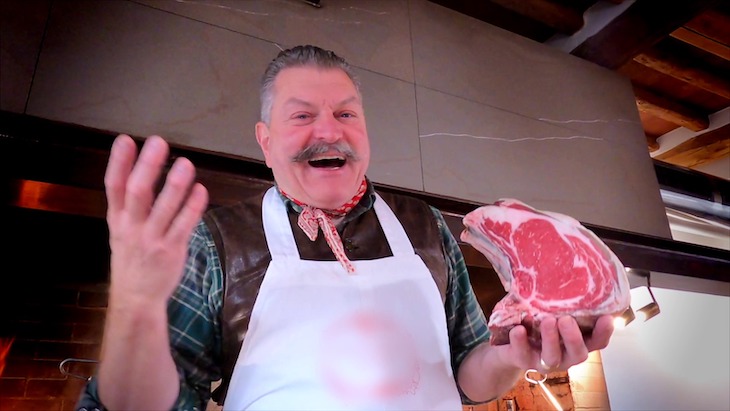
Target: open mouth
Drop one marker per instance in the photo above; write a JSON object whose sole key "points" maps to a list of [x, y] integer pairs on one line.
{"points": [[327, 162]]}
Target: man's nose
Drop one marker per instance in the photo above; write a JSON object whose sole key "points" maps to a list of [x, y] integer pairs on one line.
{"points": [[327, 128]]}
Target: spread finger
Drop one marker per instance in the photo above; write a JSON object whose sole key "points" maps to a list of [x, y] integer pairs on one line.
{"points": [[601, 334], [174, 193], [550, 356], [142, 180], [189, 215], [575, 348], [121, 159]]}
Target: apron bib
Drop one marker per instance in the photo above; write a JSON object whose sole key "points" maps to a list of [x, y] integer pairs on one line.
{"points": [[322, 339]]}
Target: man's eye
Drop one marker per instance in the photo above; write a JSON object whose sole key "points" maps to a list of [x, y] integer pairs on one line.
{"points": [[301, 116], [347, 115]]}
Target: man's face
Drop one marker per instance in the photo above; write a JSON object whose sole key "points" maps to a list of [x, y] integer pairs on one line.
{"points": [[316, 117]]}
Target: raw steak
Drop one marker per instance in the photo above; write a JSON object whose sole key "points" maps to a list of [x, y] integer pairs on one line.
{"points": [[549, 264]]}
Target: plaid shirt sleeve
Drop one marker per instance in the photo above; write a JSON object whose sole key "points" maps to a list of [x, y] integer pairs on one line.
{"points": [[465, 319], [194, 326]]}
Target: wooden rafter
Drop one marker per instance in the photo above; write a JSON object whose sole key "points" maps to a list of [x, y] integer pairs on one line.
{"points": [[644, 23], [670, 110], [684, 71], [713, 24], [700, 150], [651, 143], [702, 42], [561, 18]]}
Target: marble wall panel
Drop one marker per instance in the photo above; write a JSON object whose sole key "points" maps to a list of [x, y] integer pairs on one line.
{"points": [[390, 109], [481, 153], [373, 34], [21, 33], [465, 57], [129, 68], [495, 115]]}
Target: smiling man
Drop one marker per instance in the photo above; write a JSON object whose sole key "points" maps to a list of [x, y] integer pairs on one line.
{"points": [[314, 136], [318, 293]]}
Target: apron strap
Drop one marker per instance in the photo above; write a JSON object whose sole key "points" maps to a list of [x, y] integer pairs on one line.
{"points": [[277, 229], [398, 240]]}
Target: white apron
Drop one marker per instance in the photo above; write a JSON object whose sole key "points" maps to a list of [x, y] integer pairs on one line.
{"points": [[322, 339]]}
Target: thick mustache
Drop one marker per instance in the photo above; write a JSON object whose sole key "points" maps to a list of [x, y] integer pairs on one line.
{"points": [[309, 152]]}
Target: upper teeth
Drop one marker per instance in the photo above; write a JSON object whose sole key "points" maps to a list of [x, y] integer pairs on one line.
{"points": [[328, 158]]}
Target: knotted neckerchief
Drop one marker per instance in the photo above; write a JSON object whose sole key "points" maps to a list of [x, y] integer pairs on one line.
{"points": [[311, 219]]}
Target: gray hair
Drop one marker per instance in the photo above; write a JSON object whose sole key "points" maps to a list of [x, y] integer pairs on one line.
{"points": [[299, 56]]}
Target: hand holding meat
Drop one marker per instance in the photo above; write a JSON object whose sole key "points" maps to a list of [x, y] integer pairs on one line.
{"points": [[563, 283], [148, 236], [563, 344]]}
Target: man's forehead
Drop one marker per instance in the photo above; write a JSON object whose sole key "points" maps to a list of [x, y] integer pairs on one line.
{"points": [[303, 101], [304, 75], [311, 67]]}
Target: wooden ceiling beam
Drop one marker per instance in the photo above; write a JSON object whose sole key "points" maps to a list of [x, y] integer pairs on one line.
{"points": [[700, 150], [644, 23], [670, 110], [683, 70], [713, 24], [557, 16], [702, 42], [651, 143]]}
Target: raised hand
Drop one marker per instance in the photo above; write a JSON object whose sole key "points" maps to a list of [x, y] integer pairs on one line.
{"points": [[148, 236]]}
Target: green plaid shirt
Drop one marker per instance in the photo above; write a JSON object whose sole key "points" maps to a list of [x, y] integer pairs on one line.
{"points": [[195, 329]]}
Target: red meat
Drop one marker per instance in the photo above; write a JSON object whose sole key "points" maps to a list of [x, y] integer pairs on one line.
{"points": [[549, 264]]}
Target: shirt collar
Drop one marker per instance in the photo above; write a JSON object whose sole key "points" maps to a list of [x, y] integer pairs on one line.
{"points": [[365, 204]]}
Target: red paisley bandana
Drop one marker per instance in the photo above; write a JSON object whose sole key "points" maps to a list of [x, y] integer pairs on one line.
{"points": [[311, 219]]}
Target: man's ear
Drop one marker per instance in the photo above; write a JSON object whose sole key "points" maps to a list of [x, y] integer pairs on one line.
{"points": [[262, 137]]}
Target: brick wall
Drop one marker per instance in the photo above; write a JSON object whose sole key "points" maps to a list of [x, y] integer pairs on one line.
{"points": [[588, 383], [54, 323], [529, 397], [582, 388], [53, 301]]}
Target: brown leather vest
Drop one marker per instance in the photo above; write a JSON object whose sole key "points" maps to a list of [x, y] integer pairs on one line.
{"points": [[238, 234]]}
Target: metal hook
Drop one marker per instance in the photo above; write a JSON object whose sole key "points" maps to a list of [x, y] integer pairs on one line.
{"points": [[554, 401], [64, 371], [532, 380]]}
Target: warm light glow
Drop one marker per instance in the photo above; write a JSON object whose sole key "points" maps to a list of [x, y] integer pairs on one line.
{"points": [[619, 323], [5, 344], [39, 195], [624, 319]]}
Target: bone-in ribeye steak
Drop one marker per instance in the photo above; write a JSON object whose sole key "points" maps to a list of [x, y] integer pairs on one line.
{"points": [[549, 264]]}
